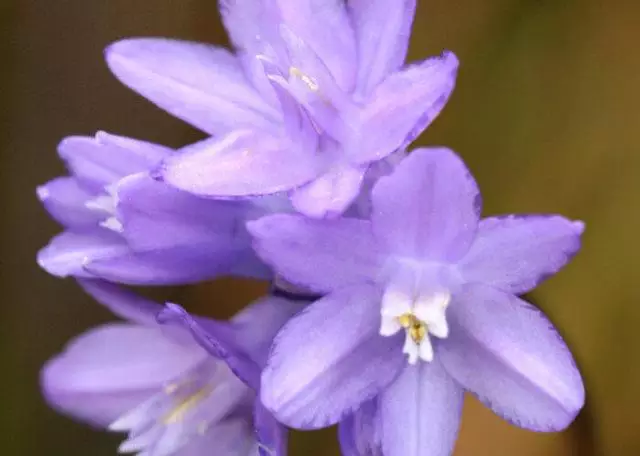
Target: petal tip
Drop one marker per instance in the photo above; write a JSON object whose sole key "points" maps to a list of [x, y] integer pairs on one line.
{"points": [[451, 59], [43, 193], [172, 313], [579, 226]]}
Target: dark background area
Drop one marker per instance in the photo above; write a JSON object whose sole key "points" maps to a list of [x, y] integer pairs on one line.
{"points": [[545, 114]]}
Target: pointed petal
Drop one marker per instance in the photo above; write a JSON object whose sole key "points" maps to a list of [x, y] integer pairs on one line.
{"points": [[310, 20], [110, 369], [420, 412], [198, 83], [382, 30], [210, 233], [240, 164], [271, 435], [330, 350], [176, 266], [104, 159], [65, 201], [508, 354], [402, 107], [123, 303], [252, 24], [145, 204], [330, 194], [515, 253], [428, 208], [68, 253], [218, 339], [359, 433], [321, 255]]}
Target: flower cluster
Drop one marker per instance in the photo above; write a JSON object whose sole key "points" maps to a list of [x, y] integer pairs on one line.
{"points": [[390, 296]]}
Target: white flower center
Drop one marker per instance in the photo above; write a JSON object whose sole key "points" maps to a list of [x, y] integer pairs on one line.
{"points": [[419, 318]]}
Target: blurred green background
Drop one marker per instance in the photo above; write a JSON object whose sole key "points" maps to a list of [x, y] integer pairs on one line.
{"points": [[545, 113]]}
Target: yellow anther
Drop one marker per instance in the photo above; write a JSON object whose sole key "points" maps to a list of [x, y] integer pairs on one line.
{"points": [[417, 328]]}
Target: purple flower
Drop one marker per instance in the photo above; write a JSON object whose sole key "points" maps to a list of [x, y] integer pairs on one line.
{"points": [[296, 108], [156, 382], [422, 304], [123, 226]]}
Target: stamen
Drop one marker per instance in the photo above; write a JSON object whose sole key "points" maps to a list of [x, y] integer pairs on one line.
{"points": [[416, 328], [308, 80], [178, 412]]}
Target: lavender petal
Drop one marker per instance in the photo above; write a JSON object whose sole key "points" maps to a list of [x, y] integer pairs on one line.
{"points": [[427, 208], [201, 84], [330, 194], [100, 161], [110, 369], [331, 349], [401, 106], [382, 30], [508, 354], [420, 412], [515, 253], [359, 433], [241, 164], [65, 199], [321, 255]]}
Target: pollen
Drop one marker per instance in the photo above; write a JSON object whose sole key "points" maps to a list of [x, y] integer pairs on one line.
{"points": [[416, 328], [308, 80]]}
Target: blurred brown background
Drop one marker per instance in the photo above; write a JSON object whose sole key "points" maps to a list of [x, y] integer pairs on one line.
{"points": [[545, 113]]}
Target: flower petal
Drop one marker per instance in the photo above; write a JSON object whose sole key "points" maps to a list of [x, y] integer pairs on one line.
{"points": [[110, 369], [122, 302], [245, 342], [104, 159], [428, 208], [359, 433], [272, 436], [240, 164], [330, 194], [420, 412], [251, 24], [64, 198], [145, 204], [310, 20], [218, 339], [331, 349], [508, 354], [515, 253], [382, 30], [68, 253], [201, 84], [321, 255], [233, 436], [402, 106], [175, 266]]}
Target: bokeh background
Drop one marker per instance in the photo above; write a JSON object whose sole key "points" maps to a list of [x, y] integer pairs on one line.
{"points": [[545, 113]]}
